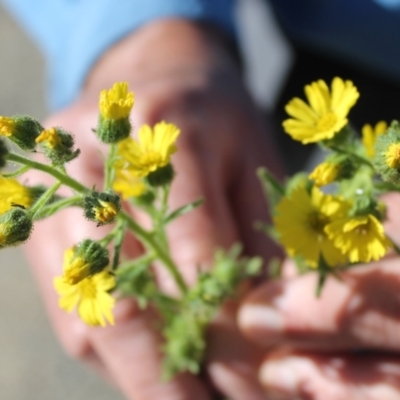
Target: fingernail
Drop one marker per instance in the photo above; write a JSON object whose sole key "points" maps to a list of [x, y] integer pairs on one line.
{"points": [[279, 376], [253, 316]]}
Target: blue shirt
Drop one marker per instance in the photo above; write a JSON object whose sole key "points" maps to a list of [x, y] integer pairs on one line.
{"points": [[74, 33]]}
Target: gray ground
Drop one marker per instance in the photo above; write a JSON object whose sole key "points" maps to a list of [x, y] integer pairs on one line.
{"points": [[32, 364]]}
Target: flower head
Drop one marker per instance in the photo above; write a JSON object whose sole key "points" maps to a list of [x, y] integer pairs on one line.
{"points": [[7, 126], [325, 173], [101, 207], [369, 135], [57, 145], [117, 102], [91, 297], [151, 152], [50, 137], [83, 261], [13, 193], [15, 227], [301, 220], [393, 156], [128, 184], [326, 113], [361, 238]]}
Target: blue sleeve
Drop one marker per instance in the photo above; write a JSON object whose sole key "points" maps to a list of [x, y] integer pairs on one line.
{"points": [[74, 33]]}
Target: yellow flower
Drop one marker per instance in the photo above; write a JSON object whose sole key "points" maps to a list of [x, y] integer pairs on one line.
{"points": [[392, 156], [151, 152], [327, 113], [117, 102], [50, 137], [91, 297], [361, 238], [7, 126], [301, 220], [128, 184], [75, 268], [106, 212], [84, 260], [325, 173], [369, 135], [12, 192]]}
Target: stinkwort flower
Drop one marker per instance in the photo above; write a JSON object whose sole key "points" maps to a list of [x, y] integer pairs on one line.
{"points": [[12, 193], [115, 106], [128, 184], [150, 155], [325, 173], [84, 260], [101, 207], [300, 221], [117, 102], [57, 145], [326, 113], [90, 295], [15, 227], [361, 238], [22, 130], [369, 135]]}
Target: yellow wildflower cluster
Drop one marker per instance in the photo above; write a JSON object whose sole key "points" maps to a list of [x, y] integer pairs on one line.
{"points": [[314, 225], [12, 193]]}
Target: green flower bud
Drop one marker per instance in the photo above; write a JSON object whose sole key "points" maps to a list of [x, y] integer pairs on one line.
{"points": [[86, 259], [161, 176], [101, 207], [57, 145], [387, 154], [22, 130], [3, 154], [113, 130], [15, 227]]}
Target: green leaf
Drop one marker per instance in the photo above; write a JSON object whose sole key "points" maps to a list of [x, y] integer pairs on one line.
{"points": [[183, 210], [273, 190]]}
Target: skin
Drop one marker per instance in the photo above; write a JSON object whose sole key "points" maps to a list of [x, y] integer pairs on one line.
{"points": [[297, 346], [344, 345], [181, 73]]}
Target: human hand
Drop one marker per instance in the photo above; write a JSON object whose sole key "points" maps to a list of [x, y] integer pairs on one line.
{"points": [[343, 345], [182, 74]]}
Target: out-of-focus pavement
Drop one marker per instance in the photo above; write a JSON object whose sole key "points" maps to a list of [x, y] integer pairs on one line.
{"points": [[32, 363]]}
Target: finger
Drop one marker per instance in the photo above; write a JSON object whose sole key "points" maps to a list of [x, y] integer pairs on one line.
{"points": [[232, 361], [360, 311], [290, 375]]}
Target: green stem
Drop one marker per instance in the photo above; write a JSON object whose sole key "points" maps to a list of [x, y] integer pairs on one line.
{"points": [[60, 205], [150, 243], [119, 237], [64, 179], [35, 210], [16, 173], [362, 160], [147, 258], [109, 171]]}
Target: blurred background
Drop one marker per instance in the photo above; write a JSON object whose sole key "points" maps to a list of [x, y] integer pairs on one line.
{"points": [[32, 363]]}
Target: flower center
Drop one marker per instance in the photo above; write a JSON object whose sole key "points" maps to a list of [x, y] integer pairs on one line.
{"points": [[393, 156], [317, 222], [327, 122]]}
